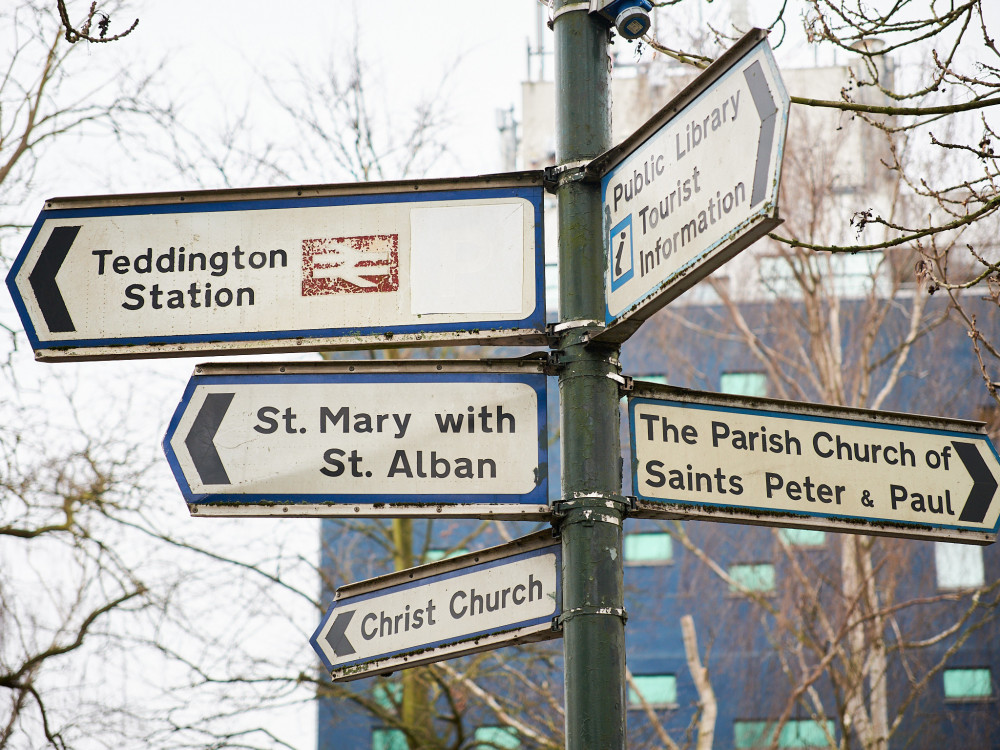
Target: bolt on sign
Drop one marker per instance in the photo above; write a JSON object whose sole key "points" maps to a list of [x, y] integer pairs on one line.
{"points": [[285, 269], [370, 438], [462, 605], [711, 456]]}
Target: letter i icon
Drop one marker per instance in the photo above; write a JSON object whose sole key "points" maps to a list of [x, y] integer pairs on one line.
{"points": [[620, 252]]}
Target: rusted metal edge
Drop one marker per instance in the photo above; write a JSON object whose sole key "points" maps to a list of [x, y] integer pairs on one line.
{"points": [[644, 389], [364, 366], [531, 178], [612, 157], [652, 509]]}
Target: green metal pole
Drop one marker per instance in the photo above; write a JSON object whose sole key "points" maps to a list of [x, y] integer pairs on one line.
{"points": [[591, 510]]}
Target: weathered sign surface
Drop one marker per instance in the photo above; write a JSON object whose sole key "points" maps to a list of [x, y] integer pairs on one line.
{"points": [[694, 186], [370, 438], [475, 602], [791, 464], [292, 269]]}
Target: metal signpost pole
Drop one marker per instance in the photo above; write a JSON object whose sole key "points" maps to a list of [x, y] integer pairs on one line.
{"points": [[590, 513]]}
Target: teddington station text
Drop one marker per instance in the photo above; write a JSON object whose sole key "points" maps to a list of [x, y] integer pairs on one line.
{"points": [[178, 260]]}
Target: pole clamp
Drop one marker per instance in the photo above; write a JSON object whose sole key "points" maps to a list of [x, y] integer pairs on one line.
{"points": [[569, 8], [555, 176], [591, 503], [557, 622]]}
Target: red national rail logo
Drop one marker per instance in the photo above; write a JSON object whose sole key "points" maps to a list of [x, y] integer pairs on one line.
{"points": [[349, 265]]}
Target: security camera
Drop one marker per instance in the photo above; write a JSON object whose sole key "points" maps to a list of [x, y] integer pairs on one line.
{"points": [[630, 17]]}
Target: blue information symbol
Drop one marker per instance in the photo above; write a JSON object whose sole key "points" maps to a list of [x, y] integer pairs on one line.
{"points": [[620, 252]]}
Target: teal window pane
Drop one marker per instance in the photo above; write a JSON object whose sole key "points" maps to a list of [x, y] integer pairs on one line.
{"points": [[796, 733], [743, 383], [804, 537], [389, 739], [496, 738], [803, 733], [433, 555], [388, 695], [656, 689], [648, 548], [748, 734], [967, 684], [757, 577]]}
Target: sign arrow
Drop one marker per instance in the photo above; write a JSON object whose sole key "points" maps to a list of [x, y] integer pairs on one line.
{"points": [[693, 186], [43, 279], [337, 637], [812, 466], [984, 484], [768, 113], [254, 439], [436, 611], [284, 269], [200, 441]]}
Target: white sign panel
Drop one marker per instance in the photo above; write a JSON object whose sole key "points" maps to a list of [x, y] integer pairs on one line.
{"points": [[781, 463], [479, 601], [362, 438], [292, 269], [694, 186]]}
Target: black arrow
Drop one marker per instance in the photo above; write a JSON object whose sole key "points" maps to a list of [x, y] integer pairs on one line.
{"points": [[984, 484], [336, 637], [200, 441], [767, 110], [43, 279]]}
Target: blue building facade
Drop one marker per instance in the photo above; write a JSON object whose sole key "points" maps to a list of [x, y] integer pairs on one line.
{"points": [[915, 644]]}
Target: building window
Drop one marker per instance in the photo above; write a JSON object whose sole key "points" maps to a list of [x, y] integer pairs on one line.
{"points": [[797, 733], [496, 738], [743, 383], [804, 537], [388, 695], [756, 577], [959, 566], [845, 275], [968, 684], [389, 739], [648, 548], [657, 690], [433, 555]]}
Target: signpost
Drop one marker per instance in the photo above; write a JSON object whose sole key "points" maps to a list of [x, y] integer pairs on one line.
{"points": [[420, 263], [476, 602], [289, 269], [710, 456], [693, 186], [371, 438]]}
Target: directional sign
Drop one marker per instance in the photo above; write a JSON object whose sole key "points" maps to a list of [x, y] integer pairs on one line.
{"points": [[340, 266], [694, 185], [417, 438], [811, 466], [476, 602]]}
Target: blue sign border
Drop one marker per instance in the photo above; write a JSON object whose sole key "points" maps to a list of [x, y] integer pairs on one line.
{"points": [[637, 401], [534, 321], [537, 496]]}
